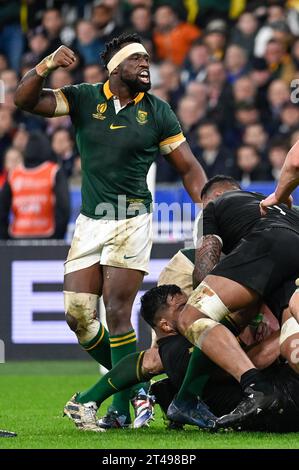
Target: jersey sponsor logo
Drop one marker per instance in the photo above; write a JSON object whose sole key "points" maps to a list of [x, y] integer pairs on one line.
{"points": [[129, 257], [141, 117], [113, 127], [101, 108]]}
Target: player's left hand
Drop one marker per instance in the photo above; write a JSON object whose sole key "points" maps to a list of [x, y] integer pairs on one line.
{"points": [[272, 200]]}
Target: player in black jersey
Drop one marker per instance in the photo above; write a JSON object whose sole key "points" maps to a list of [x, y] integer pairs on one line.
{"points": [[223, 394], [262, 254]]}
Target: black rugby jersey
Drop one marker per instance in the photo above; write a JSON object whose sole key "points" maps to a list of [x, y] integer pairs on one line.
{"points": [[236, 214]]}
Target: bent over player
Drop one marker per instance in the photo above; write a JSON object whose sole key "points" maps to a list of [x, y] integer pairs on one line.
{"points": [[119, 129]]}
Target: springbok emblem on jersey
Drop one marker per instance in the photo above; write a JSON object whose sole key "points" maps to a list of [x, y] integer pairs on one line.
{"points": [[141, 117]]}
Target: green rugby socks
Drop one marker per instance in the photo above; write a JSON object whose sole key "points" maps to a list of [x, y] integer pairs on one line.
{"points": [[99, 347], [127, 372], [121, 346]]}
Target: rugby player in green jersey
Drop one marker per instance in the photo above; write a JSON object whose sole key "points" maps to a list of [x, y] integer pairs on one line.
{"points": [[119, 130]]}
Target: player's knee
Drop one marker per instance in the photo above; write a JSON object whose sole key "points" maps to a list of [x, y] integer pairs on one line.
{"points": [[152, 364], [207, 301], [71, 321], [197, 332], [81, 313]]}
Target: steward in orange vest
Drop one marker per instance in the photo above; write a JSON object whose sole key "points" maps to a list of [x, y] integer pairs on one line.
{"points": [[38, 201]]}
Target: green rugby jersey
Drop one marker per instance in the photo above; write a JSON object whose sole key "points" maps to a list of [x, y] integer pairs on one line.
{"points": [[117, 149]]}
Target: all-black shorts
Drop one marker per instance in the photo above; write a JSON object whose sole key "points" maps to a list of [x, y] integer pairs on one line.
{"points": [[263, 261]]}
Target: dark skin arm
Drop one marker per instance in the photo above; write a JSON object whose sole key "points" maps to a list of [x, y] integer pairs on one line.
{"points": [[30, 94], [192, 173], [206, 257]]}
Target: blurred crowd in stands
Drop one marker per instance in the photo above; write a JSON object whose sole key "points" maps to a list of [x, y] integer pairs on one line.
{"points": [[228, 68]]}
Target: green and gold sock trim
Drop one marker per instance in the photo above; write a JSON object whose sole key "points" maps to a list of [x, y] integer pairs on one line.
{"points": [[95, 341], [122, 340]]}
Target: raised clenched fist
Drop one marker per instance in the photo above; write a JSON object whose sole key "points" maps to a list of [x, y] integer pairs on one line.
{"points": [[63, 57]]}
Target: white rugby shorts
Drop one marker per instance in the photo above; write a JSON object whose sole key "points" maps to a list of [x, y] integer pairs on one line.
{"points": [[120, 243]]}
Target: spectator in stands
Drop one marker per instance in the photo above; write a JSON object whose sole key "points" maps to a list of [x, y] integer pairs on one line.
{"points": [[59, 78], [37, 197], [169, 80], [39, 45], [104, 20], [244, 115], [278, 95], [289, 119], [249, 166], [244, 90], [244, 32], [172, 37], [52, 22], [236, 61], [64, 150], [196, 62], [210, 151], [295, 53], [94, 73], [189, 115], [279, 62], [141, 22], [20, 139], [11, 36], [219, 92], [261, 77], [198, 92], [277, 154], [87, 43], [215, 38], [255, 135], [9, 78], [275, 14], [56, 123], [12, 158]]}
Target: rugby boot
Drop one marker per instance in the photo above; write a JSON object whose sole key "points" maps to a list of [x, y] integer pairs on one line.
{"points": [[254, 402], [83, 415], [113, 420], [143, 405], [194, 412]]}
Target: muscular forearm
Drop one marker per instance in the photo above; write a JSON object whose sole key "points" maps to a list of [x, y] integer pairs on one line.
{"points": [[30, 94], [289, 178], [288, 181], [194, 180], [206, 257], [29, 90]]}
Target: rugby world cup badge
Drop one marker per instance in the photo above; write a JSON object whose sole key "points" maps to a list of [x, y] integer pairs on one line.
{"points": [[101, 108]]}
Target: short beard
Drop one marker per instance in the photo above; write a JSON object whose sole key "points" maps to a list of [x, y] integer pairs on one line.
{"points": [[136, 86]]}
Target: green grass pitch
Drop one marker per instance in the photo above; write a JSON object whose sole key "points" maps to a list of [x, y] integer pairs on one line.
{"points": [[32, 396]]}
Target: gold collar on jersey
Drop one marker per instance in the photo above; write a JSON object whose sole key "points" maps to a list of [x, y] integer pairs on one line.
{"points": [[108, 93]]}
